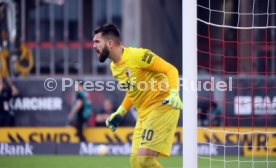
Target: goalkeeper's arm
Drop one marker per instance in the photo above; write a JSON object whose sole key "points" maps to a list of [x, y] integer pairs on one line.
{"points": [[161, 66], [116, 118]]}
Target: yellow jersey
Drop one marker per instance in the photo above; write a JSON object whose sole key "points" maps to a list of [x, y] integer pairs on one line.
{"points": [[146, 78]]}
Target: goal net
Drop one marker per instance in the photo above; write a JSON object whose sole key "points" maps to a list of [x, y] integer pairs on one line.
{"points": [[237, 59]]}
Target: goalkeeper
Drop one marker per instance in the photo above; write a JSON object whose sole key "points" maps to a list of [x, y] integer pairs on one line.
{"points": [[158, 109]]}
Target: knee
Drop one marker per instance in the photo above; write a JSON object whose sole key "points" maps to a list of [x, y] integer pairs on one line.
{"points": [[148, 162], [144, 161]]}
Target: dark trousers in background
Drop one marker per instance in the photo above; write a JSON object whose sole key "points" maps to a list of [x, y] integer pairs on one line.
{"points": [[6, 120], [79, 126]]}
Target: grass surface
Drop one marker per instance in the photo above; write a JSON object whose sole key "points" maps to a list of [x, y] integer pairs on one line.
{"points": [[123, 162]]}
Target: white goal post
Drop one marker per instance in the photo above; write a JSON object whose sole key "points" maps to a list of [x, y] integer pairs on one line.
{"points": [[235, 38], [189, 74]]}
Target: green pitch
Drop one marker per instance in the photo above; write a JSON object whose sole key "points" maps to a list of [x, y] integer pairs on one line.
{"points": [[119, 162]]}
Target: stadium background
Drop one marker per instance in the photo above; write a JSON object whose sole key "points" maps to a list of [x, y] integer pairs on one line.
{"points": [[58, 34]]}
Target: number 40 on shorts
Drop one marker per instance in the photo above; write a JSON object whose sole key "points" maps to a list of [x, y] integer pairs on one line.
{"points": [[148, 134]]}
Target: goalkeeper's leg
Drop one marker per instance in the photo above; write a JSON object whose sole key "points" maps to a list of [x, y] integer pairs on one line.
{"points": [[144, 162], [149, 162], [147, 159], [136, 140], [134, 161], [157, 136]]}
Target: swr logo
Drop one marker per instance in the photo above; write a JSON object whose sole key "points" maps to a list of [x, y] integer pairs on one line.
{"points": [[40, 137]]}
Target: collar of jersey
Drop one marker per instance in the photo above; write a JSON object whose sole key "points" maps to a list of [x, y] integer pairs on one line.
{"points": [[122, 61]]}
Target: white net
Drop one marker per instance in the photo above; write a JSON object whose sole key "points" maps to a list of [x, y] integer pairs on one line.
{"points": [[237, 45], [241, 14], [237, 149]]}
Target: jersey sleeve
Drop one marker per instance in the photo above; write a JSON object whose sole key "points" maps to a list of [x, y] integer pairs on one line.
{"points": [[127, 103], [161, 66], [150, 61], [143, 58]]}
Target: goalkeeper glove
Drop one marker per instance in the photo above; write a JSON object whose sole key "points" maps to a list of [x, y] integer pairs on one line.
{"points": [[115, 118], [173, 100]]}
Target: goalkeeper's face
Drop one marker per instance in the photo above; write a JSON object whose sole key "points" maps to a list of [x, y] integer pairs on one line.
{"points": [[101, 48]]}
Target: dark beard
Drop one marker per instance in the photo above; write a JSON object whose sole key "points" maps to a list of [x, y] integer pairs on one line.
{"points": [[104, 55]]}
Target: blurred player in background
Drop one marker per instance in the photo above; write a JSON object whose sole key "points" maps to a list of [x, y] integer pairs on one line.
{"points": [[81, 111], [141, 72], [7, 92]]}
